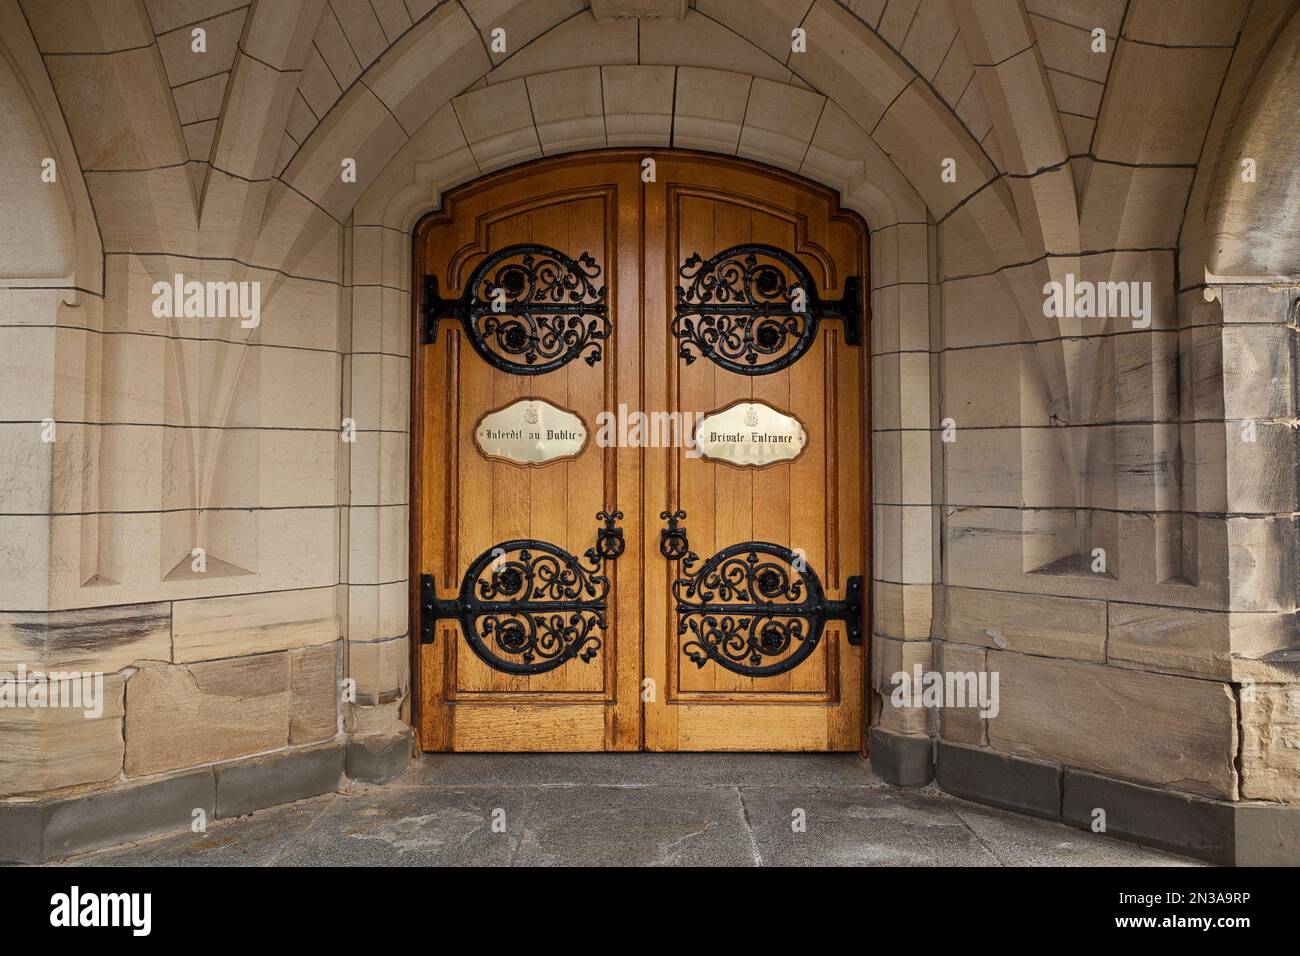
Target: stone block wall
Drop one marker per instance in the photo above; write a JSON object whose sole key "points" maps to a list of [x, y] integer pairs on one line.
{"points": [[1172, 448], [992, 148], [131, 439]]}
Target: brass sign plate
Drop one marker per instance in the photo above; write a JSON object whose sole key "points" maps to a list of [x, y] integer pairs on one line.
{"points": [[531, 431], [750, 435]]}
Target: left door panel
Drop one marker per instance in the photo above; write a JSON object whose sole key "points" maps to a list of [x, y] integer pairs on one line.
{"points": [[535, 642]]}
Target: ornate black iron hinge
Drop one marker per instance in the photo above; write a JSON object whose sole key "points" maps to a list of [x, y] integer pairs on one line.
{"points": [[757, 608], [528, 606], [527, 309], [434, 308], [754, 309]]}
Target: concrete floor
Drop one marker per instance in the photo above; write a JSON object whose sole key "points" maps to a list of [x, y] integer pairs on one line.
{"points": [[633, 809]]}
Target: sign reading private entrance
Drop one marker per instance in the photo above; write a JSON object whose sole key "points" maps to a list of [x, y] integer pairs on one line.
{"points": [[750, 434], [531, 431]]}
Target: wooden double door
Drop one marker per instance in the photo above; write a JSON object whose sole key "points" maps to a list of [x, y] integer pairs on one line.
{"points": [[639, 468]]}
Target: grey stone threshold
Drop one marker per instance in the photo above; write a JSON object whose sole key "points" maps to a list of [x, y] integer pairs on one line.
{"points": [[1217, 831], [632, 809]]}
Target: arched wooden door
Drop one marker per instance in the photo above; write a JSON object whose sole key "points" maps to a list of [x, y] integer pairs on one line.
{"points": [[640, 463]]}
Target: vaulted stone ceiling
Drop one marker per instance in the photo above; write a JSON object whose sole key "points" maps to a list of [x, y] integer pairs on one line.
{"points": [[1074, 132], [1008, 90], [1115, 162]]}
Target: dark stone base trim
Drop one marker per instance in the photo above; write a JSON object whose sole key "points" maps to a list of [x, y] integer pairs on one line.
{"points": [[1268, 834], [378, 758], [51, 829], [1218, 831], [279, 778], [132, 812], [1169, 821], [905, 760], [986, 776], [20, 832]]}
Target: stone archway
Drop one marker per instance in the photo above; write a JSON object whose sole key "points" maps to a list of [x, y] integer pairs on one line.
{"points": [[1118, 164], [378, 235], [640, 193]]}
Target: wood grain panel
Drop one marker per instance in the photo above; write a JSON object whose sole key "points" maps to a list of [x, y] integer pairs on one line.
{"points": [[469, 504], [640, 233], [812, 504]]}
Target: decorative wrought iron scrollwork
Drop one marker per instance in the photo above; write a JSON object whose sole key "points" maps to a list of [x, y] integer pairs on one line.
{"points": [[527, 309], [673, 543], [609, 539], [758, 609], [528, 606], [741, 309]]}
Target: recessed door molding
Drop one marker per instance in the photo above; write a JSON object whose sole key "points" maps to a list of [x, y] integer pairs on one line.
{"points": [[568, 287]]}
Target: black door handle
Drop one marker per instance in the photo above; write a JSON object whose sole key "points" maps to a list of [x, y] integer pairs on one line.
{"points": [[673, 543]]}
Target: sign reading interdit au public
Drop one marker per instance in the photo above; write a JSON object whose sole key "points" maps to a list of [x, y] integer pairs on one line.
{"points": [[531, 432], [750, 434]]}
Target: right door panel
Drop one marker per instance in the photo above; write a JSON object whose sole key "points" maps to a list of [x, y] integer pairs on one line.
{"points": [[746, 640]]}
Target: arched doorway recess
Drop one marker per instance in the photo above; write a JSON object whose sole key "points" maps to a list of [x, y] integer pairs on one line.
{"points": [[639, 472]]}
